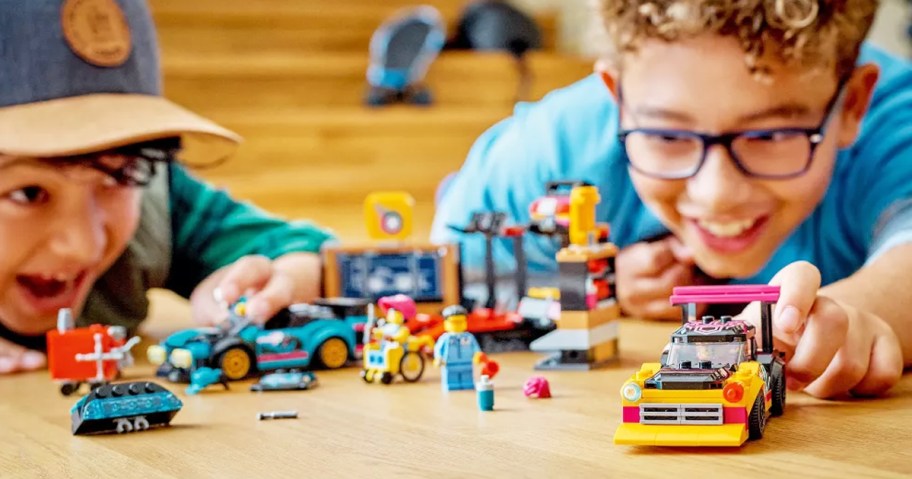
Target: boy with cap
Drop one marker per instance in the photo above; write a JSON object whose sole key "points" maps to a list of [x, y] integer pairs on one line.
{"points": [[95, 209], [741, 139]]}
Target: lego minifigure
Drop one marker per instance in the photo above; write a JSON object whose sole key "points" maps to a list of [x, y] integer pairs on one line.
{"points": [[394, 350], [456, 351], [398, 309]]}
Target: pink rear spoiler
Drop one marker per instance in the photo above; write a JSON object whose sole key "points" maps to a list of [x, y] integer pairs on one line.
{"points": [[724, 294]]}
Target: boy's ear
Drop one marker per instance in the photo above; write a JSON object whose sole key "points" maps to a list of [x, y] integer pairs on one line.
{"points": [[609, 78], [859, 90], [611, 82]]}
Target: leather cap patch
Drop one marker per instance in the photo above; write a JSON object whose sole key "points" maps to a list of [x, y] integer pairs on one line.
{"points": [[97, 31]]}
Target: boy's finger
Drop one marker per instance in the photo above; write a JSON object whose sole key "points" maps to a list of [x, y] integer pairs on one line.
{"points": [[10, 355], [825, 332], [850, 364], [31, 360], [277, 294], [649, 295], [16, 358], [799, 283], [646, 259], [249, 272], [660, 309], [885, 369], [682, 253], [841, 376]]}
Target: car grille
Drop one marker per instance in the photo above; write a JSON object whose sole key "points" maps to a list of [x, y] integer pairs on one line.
{"points": [[662, 413]]}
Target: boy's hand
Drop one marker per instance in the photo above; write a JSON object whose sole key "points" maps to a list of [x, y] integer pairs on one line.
{"points": [[269, 285], [14, 358], [647, 273], [831, 348]]}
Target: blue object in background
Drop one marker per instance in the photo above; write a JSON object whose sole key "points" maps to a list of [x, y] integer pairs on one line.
{"points": [[415, 274], [401, 51], [286, 381], [203, 378]]}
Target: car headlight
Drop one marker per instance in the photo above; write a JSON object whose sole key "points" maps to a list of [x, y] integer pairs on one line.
{"points": [[631, 392], [733, 392], [156, 355], [181, 358]]}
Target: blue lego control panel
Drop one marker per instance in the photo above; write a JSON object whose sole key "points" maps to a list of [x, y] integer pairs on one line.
{"points": [[374, 275]]}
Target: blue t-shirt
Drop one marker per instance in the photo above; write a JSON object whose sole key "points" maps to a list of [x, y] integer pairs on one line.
{"points": [[571, 134]]}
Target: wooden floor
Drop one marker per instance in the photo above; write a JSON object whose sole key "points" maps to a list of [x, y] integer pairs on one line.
{"points": [[289, 76]]}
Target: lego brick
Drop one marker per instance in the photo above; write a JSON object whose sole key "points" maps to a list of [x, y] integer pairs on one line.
{"points": [[63, 348], [578, 339], [588, 319], [572, 284], [570, 360], [606, 351]]}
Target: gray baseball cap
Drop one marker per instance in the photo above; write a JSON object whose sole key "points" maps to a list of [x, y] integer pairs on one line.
{"points": [[81, 76]]}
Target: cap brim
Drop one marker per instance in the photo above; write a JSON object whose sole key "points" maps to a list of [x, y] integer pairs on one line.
{"points": [[98, 122]]}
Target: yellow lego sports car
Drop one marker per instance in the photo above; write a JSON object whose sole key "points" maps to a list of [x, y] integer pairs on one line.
{"points": [[713, 386]]}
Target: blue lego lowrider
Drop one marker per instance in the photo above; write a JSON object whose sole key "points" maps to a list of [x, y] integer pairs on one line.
{"points": [[302, 336]]}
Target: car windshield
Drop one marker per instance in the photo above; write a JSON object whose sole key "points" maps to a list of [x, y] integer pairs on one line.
{"points": [[719, 354]]}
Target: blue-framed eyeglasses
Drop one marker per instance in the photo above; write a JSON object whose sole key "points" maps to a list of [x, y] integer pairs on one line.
{"points": [[776, 153]]}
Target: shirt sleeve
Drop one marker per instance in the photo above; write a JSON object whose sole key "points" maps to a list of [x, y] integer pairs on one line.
{"points": [[211, 229], [881, 166], [894, 229]]}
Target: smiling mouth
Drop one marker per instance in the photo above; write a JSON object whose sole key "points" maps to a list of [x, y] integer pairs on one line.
{"points": [[48, 286], [727, 229], [730, 236]]}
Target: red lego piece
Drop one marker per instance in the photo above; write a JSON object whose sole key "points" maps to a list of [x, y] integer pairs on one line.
{"points": [[62, 348]]}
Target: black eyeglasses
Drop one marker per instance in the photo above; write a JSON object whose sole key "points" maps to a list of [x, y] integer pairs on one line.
{"points": [[777, 153], [131, 165]]}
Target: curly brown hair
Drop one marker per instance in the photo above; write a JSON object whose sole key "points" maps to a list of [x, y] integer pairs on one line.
{"points": [[812, 34]]}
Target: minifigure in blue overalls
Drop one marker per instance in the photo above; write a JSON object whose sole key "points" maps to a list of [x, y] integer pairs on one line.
{"points": [[456, 351]]}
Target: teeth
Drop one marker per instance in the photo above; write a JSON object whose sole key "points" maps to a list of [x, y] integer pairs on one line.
{"points": [[63, 278], [727, 229]]}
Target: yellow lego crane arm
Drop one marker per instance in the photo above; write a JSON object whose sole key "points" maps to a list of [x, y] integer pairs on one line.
{"points": [[583, 228]]}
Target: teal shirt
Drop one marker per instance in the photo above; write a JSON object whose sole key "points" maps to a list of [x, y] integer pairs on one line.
{"points": [[209, 230], [572, 134]]}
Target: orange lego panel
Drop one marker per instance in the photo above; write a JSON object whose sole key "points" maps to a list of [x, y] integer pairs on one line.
{"points": [[588, 319], [62, 349], [606, 351]]}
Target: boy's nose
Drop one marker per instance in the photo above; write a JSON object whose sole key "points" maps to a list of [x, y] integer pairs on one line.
{"points": [[719, 184], [80, 234]]}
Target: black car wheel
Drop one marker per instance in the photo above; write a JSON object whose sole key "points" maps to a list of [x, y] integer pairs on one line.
{"points": [[779, 390], [68, 388], [757, 420]]}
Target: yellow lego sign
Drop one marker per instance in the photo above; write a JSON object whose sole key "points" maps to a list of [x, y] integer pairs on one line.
{"points": [[388, 215]]}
